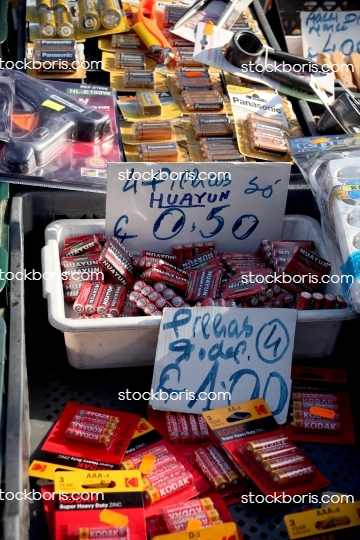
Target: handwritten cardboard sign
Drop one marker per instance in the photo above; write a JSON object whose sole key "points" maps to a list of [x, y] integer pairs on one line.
{"points": [[210, 357], [329, 31], [155, 205]]}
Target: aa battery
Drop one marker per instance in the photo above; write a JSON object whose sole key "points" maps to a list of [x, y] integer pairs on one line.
{"points": [[105, 298], [163, 475], [86, 436], [316, 425], [64, 24], [184, 431], [61, 6], [88, 16], [210, 471], [277, 464], [125, 41], [193, 428], [329, 301], [153, 131], [89, 244], [97, 416], [88, 533], [93, 298], [206, 517], [134, 462], [116, 300], [184, 56], [339, 303], [314, 397], [47, 24], [138, 79], [308, 404], [188, 508], [303, 301], [204, 432], [160, 492], [222, 464], [253, 118], [292, 476], [42, 6], [81, 300], [269, 144], [130, 60], [103, 424], [110, 13], [195, 102], [92, 428], [69, 240], [172, 427], [173, 14], [159, 152], [265, 455], [300, 414]]}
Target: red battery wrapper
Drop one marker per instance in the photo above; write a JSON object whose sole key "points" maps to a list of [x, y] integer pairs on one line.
{"points": [[71, 240], [96, 416], [76, 262], [292, 476], [210, 471], [204, 432], [183, 428], [81, 300], [316, 425], [239, 290], [193, 429], [88, 533], [168, 267], [115, 267], [303, 301], [105, 299], [311, 260], [329, 301], [88, 437], [265, 455], [270, 443], [172, 427], [166, 489], [163, 256], [219, 460], [188, 251], [203, 284], [117, 299], [291, 244], [274, 465], [71, 290], [306, 405], [340, 303], [90, 244], [177, 250], [156, 451], [300, 414], [204, 259], [220, 302], [157, 274], [163, 475], [93, 298], [207, 519]]}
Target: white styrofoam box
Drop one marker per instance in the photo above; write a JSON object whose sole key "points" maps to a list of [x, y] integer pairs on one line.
{"points": [[131, 341]]}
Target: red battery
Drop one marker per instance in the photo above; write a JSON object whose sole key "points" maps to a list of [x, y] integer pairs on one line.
{"points": [[93, 428], [237, 289], [134, 462], [274, 465], [188, 251], [265, 455], [293, 476], [86, 436], [203, 283], [188, 508], [162, 460], [94, 421], [97, 416], [210, 471], [71, 291], [300, 414], [134, 296], [117, 299], [163, 256], [89, 244], [184, 431], [340, 303], [177, 250], [303, 301], [199, 247], [145, 291], [150, 309], [139, 285], [168, 294], [305, 405], [222, 464], [153, 296], [172, 427], [163, 475], [167, 267], [160, 287], [209, 245], [81, 300], [177, 301], [161, 303], [71, 240], [316, 425], [88, 533], [314, 397], [160, 492], [204, 432], [193, 428], [329, 301], [270, 443], [206, 517], [157, 274], [115, 267], [318, 300], [105, 299]]}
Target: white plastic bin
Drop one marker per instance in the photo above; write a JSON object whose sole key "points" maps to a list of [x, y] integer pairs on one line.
{"points": [[131, 341]]}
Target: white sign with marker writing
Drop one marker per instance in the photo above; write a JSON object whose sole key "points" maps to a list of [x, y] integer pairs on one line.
{"points": [[211, 357], [329, 31], [155, 205]]}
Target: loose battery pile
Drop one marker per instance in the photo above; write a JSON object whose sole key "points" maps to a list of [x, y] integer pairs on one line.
{"points": [[109, 281]]}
